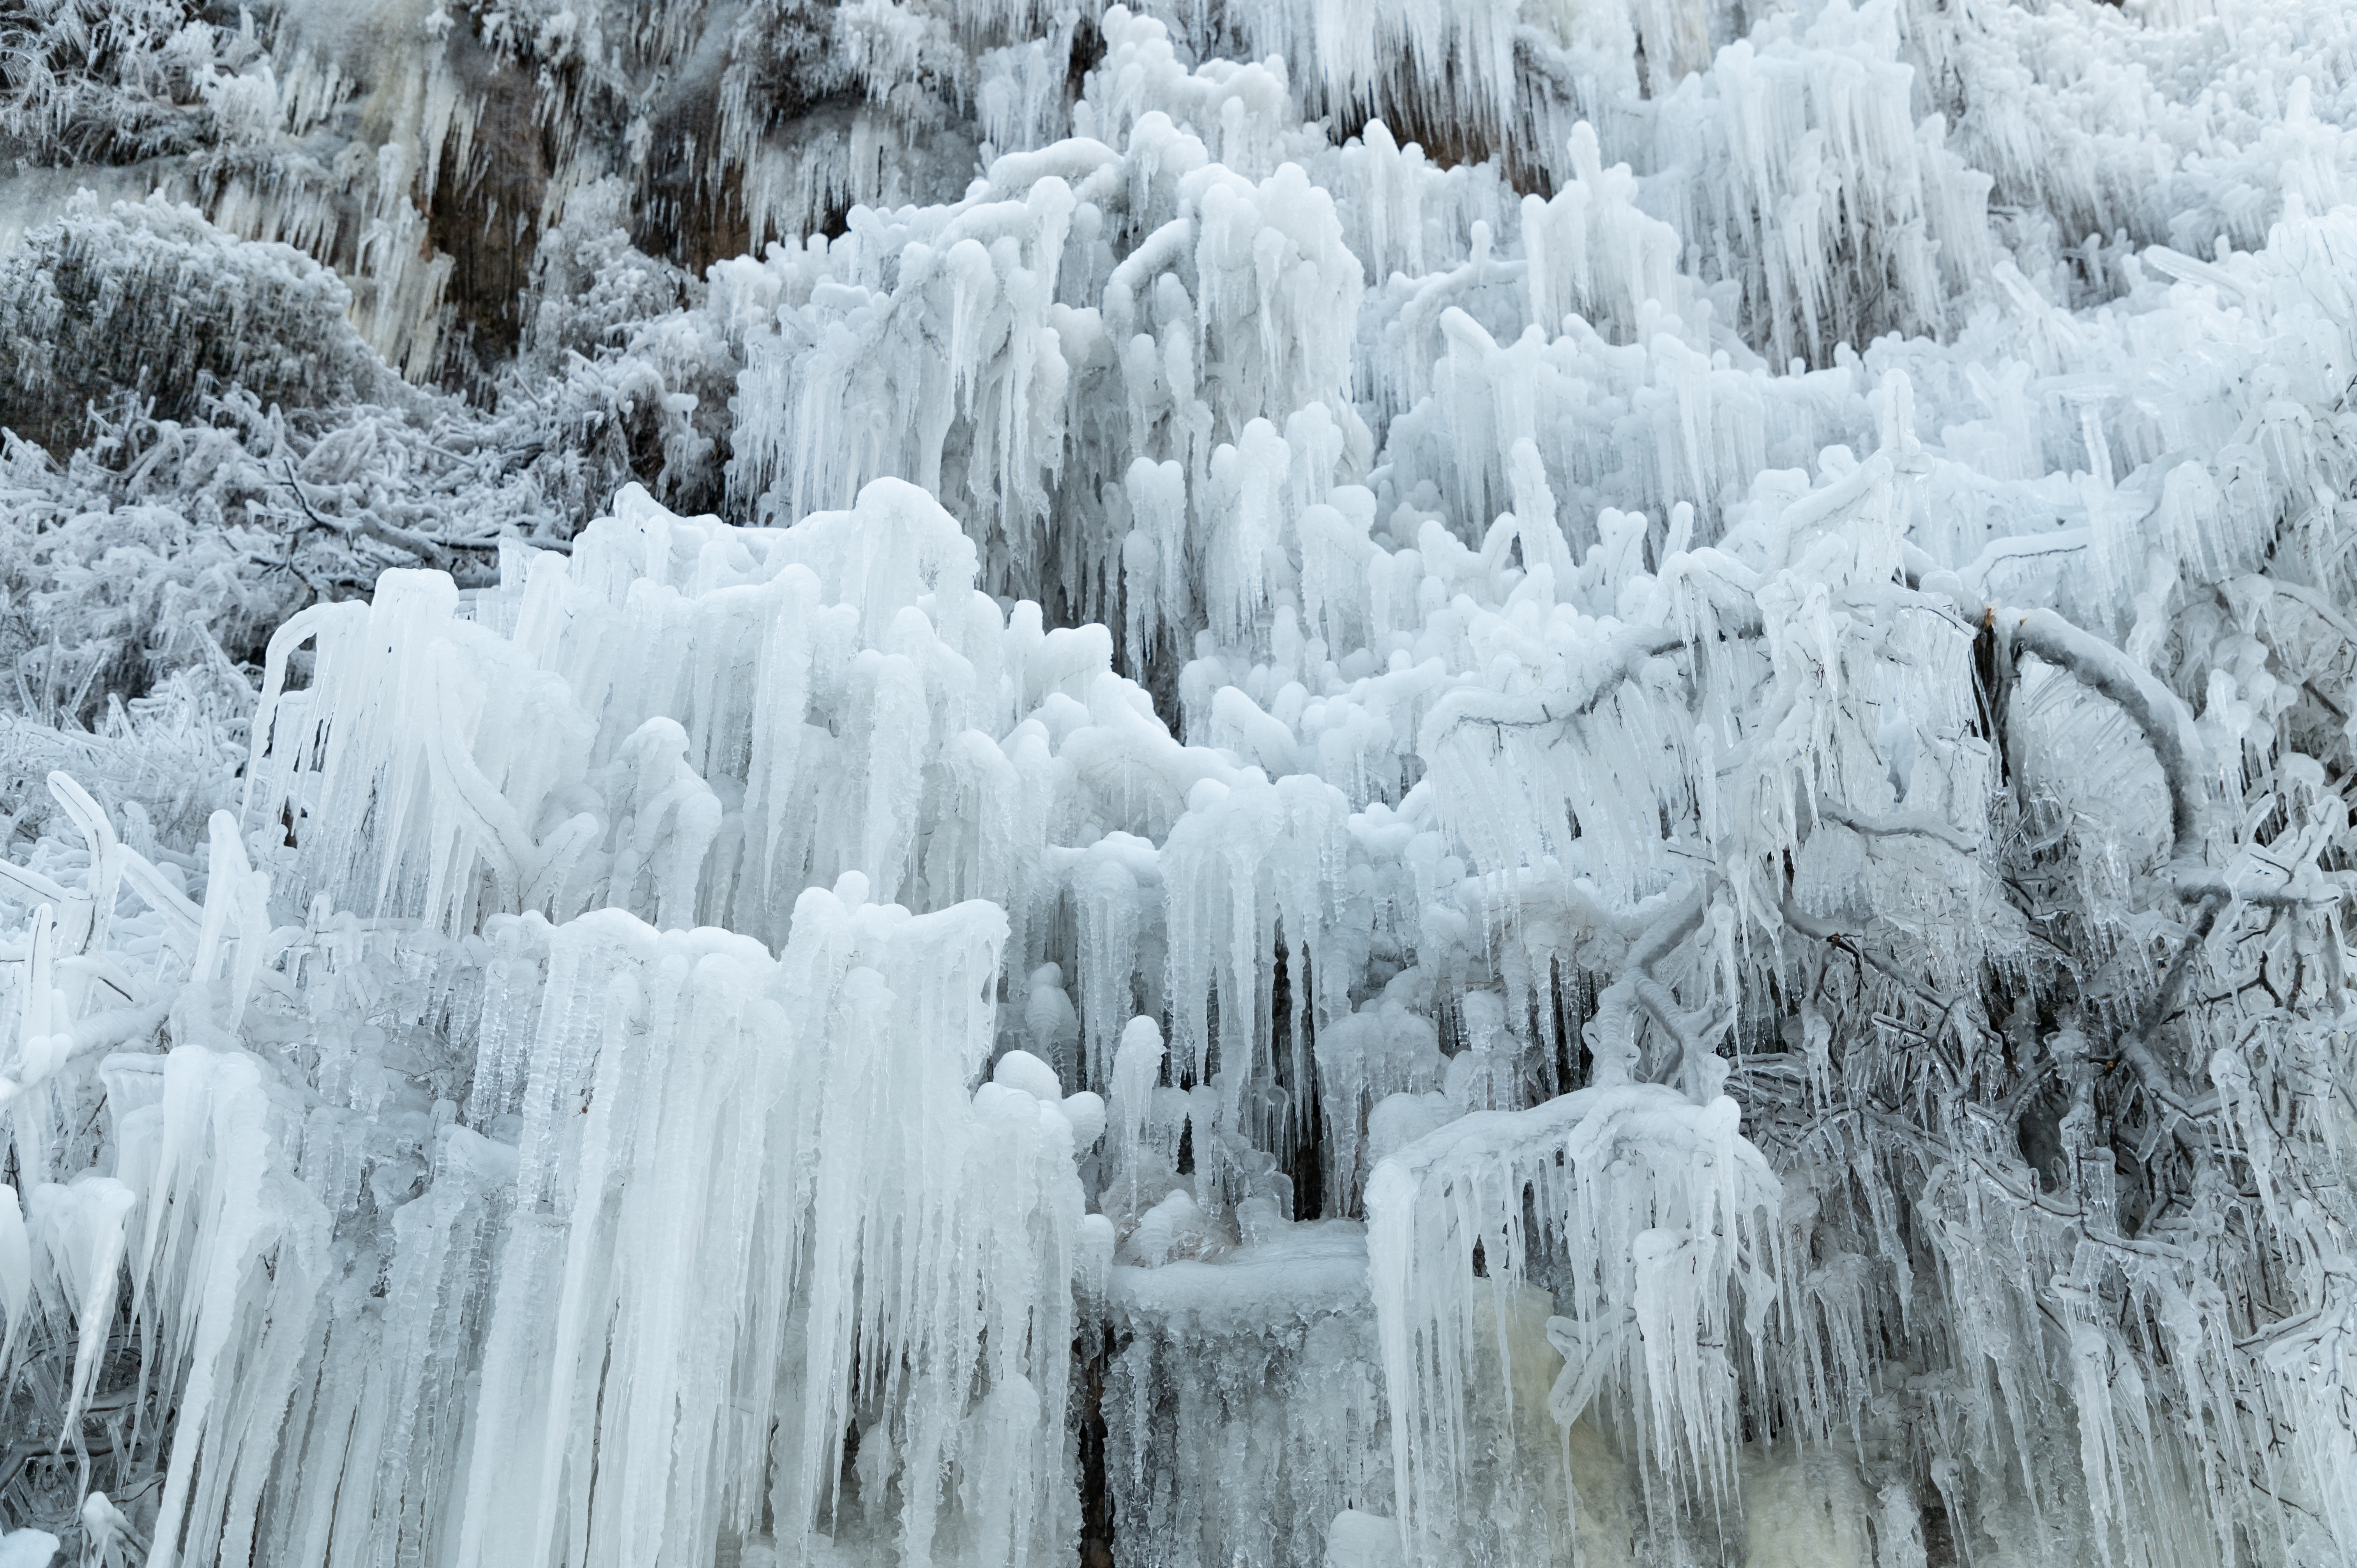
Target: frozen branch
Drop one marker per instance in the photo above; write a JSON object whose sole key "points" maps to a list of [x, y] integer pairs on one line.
{"points": [[2167, 723]]}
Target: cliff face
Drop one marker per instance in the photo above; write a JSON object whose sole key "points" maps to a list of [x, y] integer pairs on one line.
{"points": [[424, 153]]}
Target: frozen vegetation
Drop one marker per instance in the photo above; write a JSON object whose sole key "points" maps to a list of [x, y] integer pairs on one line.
{"points": [[1240, 784]]}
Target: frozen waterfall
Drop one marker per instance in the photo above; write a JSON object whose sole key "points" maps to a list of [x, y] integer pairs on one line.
{"points": [[1230, 784]]}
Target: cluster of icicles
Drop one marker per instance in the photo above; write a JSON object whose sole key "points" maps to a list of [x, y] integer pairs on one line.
{"points": [[721, 1249], [750, 1045]]}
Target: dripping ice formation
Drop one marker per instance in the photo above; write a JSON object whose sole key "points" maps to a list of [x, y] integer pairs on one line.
{"points": [[1348, 783]]}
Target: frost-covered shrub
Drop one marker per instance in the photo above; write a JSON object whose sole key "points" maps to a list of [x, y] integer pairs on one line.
{"points": [[149, 299], [229, 451], [595, 288], [168, 545], [623, 364], [119, 80]]}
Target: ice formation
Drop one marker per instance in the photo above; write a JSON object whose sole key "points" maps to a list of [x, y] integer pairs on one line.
{"points": [[1350, 782]]}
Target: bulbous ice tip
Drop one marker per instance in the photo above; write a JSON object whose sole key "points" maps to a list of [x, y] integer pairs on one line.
{"points": [[1086, 1112], [1485, 1020], [1357, 1539], [1021, 1069]]}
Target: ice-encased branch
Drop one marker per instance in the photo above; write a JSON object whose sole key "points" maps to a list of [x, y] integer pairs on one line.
{"points": [[2159, 712]]}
